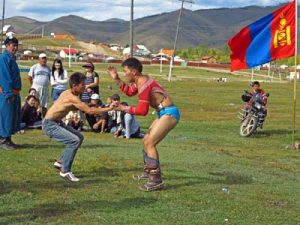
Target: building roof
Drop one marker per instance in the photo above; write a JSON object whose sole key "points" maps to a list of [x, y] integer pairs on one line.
{"points": [[64, 36], [167, 52], [72, 50]]}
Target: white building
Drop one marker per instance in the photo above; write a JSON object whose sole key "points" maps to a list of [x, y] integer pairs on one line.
{"points": [[8, 28]]}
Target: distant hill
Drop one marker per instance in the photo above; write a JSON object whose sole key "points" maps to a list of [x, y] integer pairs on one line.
{"points": [[211, 27]]}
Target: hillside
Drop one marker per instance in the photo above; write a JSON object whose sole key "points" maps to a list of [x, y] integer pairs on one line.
{"points": [[211, 27]]}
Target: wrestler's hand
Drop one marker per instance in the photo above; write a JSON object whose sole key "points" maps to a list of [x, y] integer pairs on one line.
{"points": [[120, 108], [89, 91], [112, 71], [11, 99], [95, 126]]}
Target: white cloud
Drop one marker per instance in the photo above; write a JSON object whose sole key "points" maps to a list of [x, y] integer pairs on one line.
{"points": [[104, 9]]}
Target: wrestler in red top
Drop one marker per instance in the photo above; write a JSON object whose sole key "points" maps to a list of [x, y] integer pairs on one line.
{"points": [[150, 93]]}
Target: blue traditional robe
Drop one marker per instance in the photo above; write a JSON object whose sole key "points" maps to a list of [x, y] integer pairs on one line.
{"points": [[10, 80]]}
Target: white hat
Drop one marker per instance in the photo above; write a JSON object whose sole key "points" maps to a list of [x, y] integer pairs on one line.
{"points": [[42, 55], [95, 97]]}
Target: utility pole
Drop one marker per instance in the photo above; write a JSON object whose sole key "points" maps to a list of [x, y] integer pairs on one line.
{"points": [[176, 38], [3, 12], [69, 56], [43, 30], [131, 28]]}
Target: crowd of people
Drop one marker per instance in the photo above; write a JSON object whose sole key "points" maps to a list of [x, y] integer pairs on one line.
{"points": [[120, 124], [80, 105]]}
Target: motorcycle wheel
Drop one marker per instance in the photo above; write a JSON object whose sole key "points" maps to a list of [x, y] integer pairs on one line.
{"points": [[248, 126]]}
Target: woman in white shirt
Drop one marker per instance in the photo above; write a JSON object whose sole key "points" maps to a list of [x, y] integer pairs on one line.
{"points": [[58, 79]]}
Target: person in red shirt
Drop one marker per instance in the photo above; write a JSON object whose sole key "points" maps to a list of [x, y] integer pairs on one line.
{"points": [[150, 93]]}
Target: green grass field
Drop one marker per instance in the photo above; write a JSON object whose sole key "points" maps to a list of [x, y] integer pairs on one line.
{"points": [[202, 155]]}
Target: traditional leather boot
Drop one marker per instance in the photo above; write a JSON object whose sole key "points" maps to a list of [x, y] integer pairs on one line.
{"points": [[145, 175], [154, 182]]}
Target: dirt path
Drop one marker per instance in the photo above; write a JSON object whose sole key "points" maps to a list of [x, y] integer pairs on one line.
{"points": [[99, 49]]}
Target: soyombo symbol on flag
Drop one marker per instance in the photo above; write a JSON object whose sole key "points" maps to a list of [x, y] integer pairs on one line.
{"points": [[268, 39]]}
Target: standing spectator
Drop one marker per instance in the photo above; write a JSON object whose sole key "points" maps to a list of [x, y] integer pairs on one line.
{"points": [[91, 82], [39, 78], [10, 100], [131, 128], [31, 117], [59, 79]]}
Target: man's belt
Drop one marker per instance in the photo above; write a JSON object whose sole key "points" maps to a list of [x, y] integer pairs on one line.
{"points": [[15, 91]]}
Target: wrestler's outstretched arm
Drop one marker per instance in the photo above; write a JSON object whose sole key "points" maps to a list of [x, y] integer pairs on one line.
{"points": [[89, 110]]}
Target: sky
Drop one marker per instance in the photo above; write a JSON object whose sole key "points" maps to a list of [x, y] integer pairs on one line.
{"points": [[99, 10]]}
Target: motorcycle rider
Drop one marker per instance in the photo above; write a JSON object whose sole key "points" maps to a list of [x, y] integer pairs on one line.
{"points": [[256, 95]]}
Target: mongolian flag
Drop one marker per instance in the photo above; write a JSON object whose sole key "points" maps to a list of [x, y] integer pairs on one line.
{"points": [[271, 38]]}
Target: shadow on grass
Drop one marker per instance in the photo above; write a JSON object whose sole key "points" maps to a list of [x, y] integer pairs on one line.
{"points": [[94, 176], [60, 209], [61, 146], [234, 178], [268, 133], [39, 146], [189, 180], [37, 186]]}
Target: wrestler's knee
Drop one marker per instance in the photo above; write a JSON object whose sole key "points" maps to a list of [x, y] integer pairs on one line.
{"points": [[148, 141]]}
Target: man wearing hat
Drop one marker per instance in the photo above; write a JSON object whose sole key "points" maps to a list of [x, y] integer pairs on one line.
{"points": [[39, 78], [10, 100]]}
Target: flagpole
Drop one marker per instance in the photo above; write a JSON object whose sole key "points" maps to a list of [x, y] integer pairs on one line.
{"points": [[295, 76]]}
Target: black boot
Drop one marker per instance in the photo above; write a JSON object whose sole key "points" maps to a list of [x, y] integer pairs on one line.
{"points": [[5, 144], [12, 143], [155, 182]]}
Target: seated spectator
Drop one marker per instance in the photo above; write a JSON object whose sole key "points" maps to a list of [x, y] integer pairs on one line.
{"points": [[31, 117], [32, 91], [96, 122], [73, 120], [131, 128], [114, 118]]}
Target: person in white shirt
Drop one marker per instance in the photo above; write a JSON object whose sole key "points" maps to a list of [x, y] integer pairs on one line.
{"points": [[39, 78], [58, 79]]}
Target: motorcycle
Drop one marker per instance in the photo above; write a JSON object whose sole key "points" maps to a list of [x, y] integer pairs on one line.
{"points": [[253, 116]]}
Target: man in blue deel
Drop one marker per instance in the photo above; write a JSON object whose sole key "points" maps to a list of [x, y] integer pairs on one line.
{"points": [[10, 100]]}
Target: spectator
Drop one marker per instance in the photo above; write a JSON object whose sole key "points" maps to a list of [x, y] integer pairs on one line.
{"points": [[114, 118], [10, 100], [58, 79], [131, 128], [73, 120], [30, 116], [32, 91], [97, 122], [39, 78], [91, 82]]}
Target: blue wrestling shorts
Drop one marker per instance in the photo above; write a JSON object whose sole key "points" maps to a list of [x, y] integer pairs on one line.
{"points": [[171, 110]]}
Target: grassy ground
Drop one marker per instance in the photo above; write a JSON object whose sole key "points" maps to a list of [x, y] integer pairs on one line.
{"points": [[202, 155]]}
